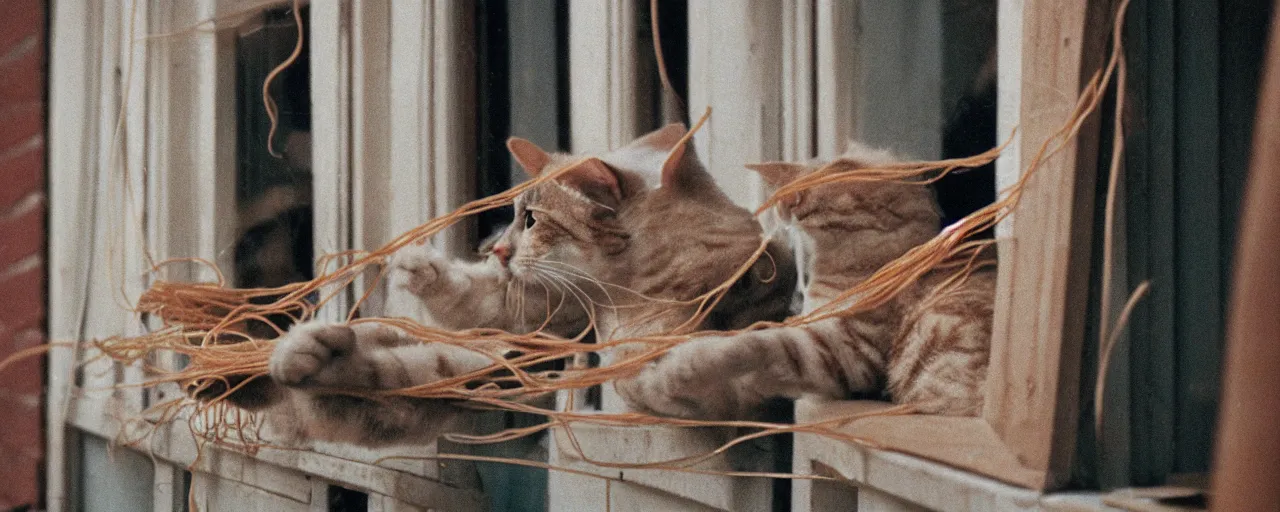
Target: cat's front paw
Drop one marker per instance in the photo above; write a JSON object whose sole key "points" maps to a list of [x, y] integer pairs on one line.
{"points": [[417, 268], [316, 354]]}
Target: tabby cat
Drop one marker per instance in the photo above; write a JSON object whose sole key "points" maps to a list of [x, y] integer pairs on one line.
{"points": [[622, 234], [923, 348]]}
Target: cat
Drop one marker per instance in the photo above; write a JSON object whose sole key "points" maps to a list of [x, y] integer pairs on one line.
{"points": [[928, 350], [622, 235]]}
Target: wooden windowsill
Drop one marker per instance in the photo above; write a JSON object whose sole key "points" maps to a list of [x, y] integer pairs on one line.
{"points": [[279, 471]]}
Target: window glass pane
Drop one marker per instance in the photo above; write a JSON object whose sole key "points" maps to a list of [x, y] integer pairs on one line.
{"points": [[273, 191], [927, 88]]}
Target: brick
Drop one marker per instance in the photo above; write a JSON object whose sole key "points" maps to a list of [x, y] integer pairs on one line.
{"points": [[22, 299], [20, 19], [21, 436], [20, 383], [21, 170], [22, 73], [20, 481], [22, 121], [21, 229], [22, 234]]}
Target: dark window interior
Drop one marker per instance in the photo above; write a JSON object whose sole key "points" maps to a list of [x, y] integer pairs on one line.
{"points": [[1194, 70], [347, 500], [273, 193]]}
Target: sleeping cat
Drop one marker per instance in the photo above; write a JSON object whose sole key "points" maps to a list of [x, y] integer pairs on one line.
{"points": [[613, 234], [930, 354]]}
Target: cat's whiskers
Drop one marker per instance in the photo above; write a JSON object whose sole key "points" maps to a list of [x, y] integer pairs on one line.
{"points": [[566, 285], [584, 275], [580, 275]]}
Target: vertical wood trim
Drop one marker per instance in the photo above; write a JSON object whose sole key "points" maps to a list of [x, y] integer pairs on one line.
{"points": [[839, 75], [105, 315], [736, 73], [134, 26], [604, 103], [410, 84], [1008, 99], [215, 191], [370, 146], [453, 98], [330, 32], [1242, 478], [1033, 378], [166, 485], [71, 110], [798, 42]]}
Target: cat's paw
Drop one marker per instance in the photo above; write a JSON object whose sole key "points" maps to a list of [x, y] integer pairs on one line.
{"points": [[315, 354], [417, 268]]}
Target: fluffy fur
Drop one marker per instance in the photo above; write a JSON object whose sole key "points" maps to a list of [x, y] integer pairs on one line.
{"points": [[923, 348], [622, 235]]}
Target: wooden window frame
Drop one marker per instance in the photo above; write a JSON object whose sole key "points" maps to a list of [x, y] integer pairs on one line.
{"points": [[1025, 436], [176, 140], [1023, 442], [1027, 432]]}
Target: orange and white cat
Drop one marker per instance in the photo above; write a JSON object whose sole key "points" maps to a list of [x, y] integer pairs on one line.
{"points": [[923, 348], [625, 234]]}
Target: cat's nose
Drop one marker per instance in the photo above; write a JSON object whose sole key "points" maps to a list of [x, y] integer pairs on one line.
{"points": [[503, 252]]}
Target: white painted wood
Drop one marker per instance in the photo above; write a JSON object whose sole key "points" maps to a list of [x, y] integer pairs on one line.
{"points": [[1009, 99], [72, 107], [410, 85], [370, 145], [166, 488], [634, 445], [735, 59], [208, 140], [880, 76], [798, 84], [922, 482], [132, 243], [191, 129], [453, 136], [602, 68], [379, 503], [814, 495], [284, 472], [176, 140], [218, 494], [839, 74], [330, 29], [431, 87]]}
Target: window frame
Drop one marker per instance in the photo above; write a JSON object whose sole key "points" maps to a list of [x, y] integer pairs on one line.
{"points": [[1023, 439], [1027, 432], [177, 133], [1023, 443]]}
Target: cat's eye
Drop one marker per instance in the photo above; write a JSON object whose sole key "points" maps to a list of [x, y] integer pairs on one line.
{"points": [[529, 221]]}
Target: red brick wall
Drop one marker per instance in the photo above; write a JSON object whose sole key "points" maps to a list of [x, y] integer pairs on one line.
{"points": [[22, 247]]}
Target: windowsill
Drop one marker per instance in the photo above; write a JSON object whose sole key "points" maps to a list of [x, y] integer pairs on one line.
{"points": [[279, 471], [650, 443], [913, 479]]}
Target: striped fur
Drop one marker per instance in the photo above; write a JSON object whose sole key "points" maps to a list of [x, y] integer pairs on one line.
{"points": [[928, 347], [624, 235]]}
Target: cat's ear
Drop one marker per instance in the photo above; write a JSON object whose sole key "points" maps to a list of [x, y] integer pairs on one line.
{"points": [[662, 139], [777, 174], [595, 179], [530, 157], [674, 162]]}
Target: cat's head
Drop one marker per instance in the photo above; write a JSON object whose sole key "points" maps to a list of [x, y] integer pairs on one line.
{"points": [[570, 224], [876, 216], [647, 216]]}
